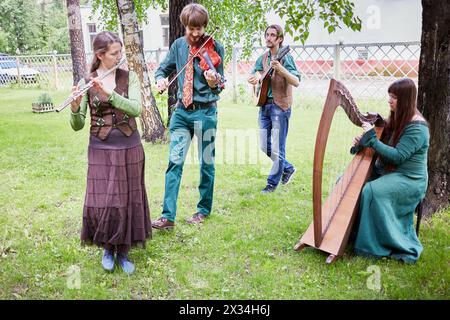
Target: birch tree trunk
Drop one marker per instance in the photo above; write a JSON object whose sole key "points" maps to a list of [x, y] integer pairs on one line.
{"points": [[76, 40], [152, 126]]}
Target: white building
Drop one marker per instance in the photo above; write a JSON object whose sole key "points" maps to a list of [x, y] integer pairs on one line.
{"points": [[155, 32], [382, 21]]}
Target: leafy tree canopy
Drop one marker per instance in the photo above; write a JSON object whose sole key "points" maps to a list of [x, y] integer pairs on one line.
{"points": [[242, 21]]}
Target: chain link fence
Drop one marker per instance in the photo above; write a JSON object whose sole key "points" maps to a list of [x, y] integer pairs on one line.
{"points": [[366, 69]]}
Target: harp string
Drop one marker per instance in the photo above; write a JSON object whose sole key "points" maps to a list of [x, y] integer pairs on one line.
{"points": [[337, 157]]}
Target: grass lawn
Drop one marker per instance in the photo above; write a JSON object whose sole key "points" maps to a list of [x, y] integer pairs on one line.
{"points": [[244, 251]]}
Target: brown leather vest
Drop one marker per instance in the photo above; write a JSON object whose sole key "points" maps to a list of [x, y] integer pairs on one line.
{"points": [[281, 89], [104, 117]]}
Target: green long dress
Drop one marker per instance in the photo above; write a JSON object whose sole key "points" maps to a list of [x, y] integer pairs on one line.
{"points": [[387, 205]]}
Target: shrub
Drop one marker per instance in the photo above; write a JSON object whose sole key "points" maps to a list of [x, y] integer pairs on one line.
{"points": [[45, 98]]}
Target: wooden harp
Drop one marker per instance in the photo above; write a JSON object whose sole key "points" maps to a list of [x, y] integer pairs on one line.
{"points": [[333, 218]]}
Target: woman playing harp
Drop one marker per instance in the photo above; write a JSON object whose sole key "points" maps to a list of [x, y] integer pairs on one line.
{"points": [[399, 180], [333, 216]]}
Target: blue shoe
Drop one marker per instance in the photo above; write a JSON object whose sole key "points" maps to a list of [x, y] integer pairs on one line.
{"points": [[125, 263], [108, 260]]}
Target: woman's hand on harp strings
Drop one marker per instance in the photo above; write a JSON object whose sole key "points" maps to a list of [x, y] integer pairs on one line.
{"points": [[359, 142], [75, 104], [356, 140], [356, 145], [367, 126]]}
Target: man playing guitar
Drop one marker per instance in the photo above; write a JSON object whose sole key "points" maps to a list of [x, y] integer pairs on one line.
{"points": [[274, 114]]}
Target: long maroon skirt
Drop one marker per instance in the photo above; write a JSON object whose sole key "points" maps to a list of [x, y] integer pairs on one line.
{"points": [[116, 208]]}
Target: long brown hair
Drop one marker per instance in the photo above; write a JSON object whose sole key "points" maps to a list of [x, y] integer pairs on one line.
{"points": [[101, 44], [406, 92]]}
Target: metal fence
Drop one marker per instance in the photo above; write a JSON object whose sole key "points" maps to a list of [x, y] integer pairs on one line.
{"points": [[367, 69]]}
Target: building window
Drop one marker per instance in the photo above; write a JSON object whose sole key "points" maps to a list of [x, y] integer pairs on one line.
{"points": [[165, 35], [165, 29], [92, 28], [91, 39]]}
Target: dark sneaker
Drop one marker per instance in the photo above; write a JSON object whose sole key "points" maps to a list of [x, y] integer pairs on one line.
{"points": [[269, 188], [197, 218], [108, 260], [163, 224], [286, 177], [123, 261]]}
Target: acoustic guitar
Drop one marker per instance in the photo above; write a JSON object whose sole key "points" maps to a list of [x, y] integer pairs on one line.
{"points": [[261, 89]]}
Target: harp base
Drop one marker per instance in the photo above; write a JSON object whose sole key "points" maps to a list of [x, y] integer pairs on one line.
{"points": [[300, 246], [330, 259]]}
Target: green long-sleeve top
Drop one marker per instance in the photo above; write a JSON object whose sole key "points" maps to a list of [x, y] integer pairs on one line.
{"points": [[131, 105], [177, 58], [409, 156]]}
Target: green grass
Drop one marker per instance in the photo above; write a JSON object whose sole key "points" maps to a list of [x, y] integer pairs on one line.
{"points": [[244, 251]]}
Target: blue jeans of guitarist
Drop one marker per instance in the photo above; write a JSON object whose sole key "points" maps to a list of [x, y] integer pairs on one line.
{"points": [[273, 128]]}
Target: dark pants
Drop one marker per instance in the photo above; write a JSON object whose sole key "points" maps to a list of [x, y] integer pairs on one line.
{"points": [[120, 248], [184, 124]]}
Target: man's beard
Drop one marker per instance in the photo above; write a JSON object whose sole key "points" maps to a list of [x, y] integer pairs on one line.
{"points": [[192, 41]]}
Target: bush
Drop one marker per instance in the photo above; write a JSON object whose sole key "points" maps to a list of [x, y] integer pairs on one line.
{"points": [[45, 98]]}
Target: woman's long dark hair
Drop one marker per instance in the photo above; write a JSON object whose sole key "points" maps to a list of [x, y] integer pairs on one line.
{"points": [[101, 44], [406, 92]]}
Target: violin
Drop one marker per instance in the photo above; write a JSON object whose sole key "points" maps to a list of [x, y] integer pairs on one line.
{"points": [[209, 58], [206, 45]]}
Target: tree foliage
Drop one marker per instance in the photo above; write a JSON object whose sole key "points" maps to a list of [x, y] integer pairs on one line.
{"points": [[19, 25], [332, 13], [33, 27], [241, 22], [109, 14]]}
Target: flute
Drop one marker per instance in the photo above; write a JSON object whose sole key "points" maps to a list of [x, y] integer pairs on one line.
{"points": [[86, 87]]}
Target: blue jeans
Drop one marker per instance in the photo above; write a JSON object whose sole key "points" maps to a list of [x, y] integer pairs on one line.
{"points": [[273, 128]]}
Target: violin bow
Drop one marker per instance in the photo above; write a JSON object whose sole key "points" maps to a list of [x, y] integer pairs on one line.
{"points": [[189, 61]]}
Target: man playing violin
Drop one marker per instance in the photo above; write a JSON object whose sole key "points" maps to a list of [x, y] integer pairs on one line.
{"points": [[275, 113], [195, 112]]}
